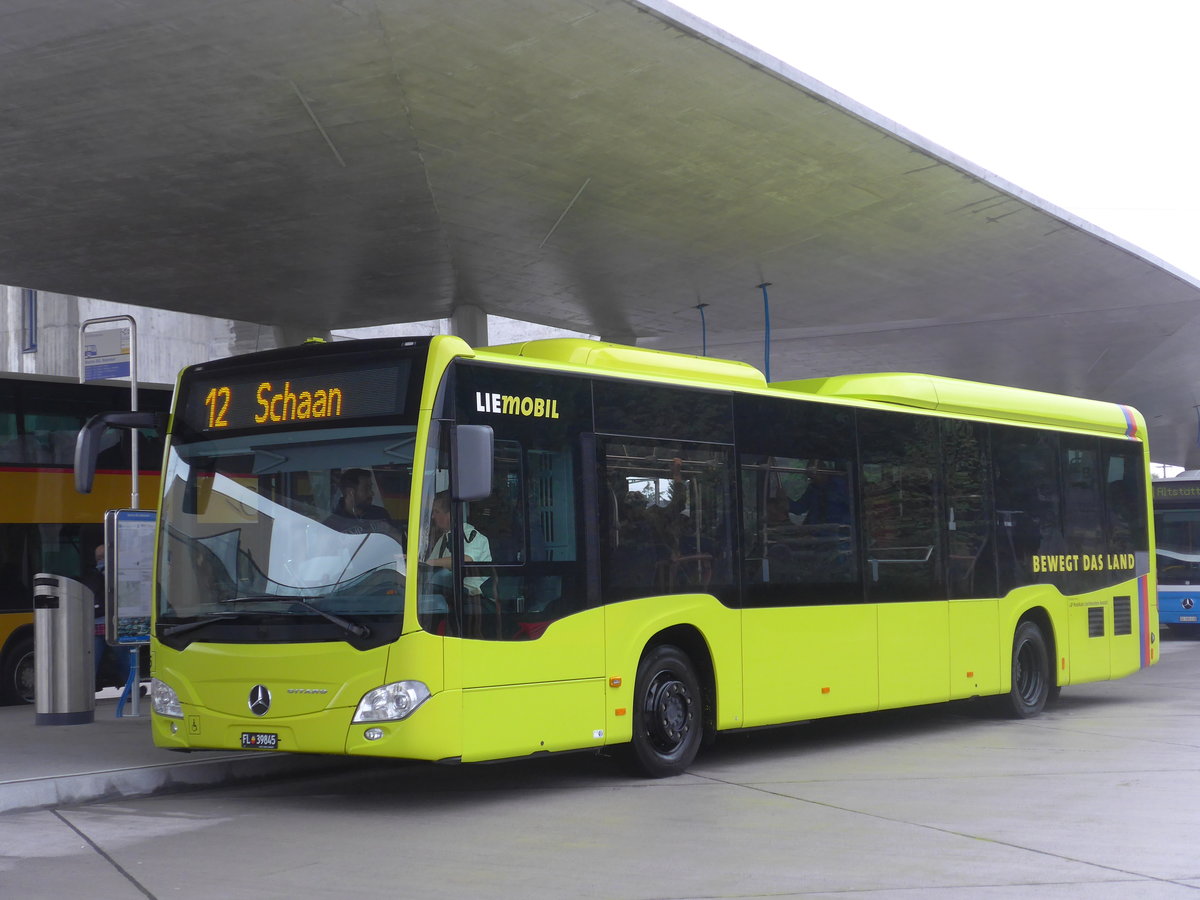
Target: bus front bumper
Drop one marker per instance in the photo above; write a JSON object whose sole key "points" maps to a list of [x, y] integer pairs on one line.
{"points": [[431, 732]]}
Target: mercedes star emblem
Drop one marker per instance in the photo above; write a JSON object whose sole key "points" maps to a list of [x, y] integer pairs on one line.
{"points": [[260, 699]]}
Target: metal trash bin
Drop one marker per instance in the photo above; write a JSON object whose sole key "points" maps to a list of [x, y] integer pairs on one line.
{"points": [[63, 645]]}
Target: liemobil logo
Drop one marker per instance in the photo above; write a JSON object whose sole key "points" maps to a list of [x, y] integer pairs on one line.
{"points": [[260, 700], [1188, 603], [505, 405]]}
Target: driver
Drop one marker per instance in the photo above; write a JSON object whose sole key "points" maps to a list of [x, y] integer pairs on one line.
{"points": [[476, 547], [355, 513]]}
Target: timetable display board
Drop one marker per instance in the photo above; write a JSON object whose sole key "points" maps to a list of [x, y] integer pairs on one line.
{"points": [[129, 573]]}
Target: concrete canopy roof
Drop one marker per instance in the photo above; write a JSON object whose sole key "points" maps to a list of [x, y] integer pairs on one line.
{"points": [[603, 166]]}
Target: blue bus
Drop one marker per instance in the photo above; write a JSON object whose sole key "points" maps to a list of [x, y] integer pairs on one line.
{"points": [[1177, 534]]}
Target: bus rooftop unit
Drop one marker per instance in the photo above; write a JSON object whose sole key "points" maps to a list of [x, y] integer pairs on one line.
{"points": [[480, 554]]}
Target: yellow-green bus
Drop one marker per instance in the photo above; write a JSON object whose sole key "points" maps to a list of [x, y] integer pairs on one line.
{"points": [[413, 548]]}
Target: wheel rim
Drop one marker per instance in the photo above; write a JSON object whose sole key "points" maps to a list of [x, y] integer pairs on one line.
{"points": [[669, 712], [1030, 678], [23, 678]]}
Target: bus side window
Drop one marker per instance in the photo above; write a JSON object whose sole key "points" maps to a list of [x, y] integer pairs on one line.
{"points": [[1125, 505], [666, 519], [1083, 508], [1028, 503], [799, 514], [501, 515], [534, 576], [969, 517], [900, 467], [639, 505]]}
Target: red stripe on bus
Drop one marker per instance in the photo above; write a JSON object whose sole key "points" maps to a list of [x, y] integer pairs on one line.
{"points": [[1144, 610]]}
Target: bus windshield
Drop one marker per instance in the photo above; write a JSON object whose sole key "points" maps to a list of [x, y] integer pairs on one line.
{"points": [[1177, 532], [292, 536]]}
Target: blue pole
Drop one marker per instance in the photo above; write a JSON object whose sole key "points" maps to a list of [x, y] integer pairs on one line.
{"points": [[766, 330], [703, 330]]}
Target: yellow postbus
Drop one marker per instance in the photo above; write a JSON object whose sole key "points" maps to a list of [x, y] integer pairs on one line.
{"points": [[45, 526], [413, 548]]}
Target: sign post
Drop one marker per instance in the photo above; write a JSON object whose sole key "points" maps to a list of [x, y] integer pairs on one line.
{"points": [[113, 354], [129, 568]]}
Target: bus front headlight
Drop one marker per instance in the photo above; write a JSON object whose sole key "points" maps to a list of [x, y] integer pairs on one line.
{"points": [[391, 702], [165, 700]]}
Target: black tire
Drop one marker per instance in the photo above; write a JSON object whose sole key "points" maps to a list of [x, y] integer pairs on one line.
{"points": [[16, 679], [668, 721], [1032, 678]]}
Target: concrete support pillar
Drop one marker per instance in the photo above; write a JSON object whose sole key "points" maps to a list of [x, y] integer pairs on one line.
{"points": [[470, 323]]}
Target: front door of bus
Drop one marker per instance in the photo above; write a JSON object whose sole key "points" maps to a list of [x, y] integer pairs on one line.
{"points": [[531, 649], [539, 690]]}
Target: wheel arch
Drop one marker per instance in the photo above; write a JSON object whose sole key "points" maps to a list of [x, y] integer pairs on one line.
{"points": [[1040, 617], [691, 641], [18, 634], [19, 637]]}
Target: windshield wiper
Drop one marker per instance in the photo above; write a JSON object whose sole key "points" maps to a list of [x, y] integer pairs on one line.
{"points": [[170, 630], [353, 628]]}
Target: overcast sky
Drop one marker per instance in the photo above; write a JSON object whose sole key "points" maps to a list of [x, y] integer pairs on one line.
{"points": [[1089, 105]]}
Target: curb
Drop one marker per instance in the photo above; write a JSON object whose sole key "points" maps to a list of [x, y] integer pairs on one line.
{"points": [[146, 781]]}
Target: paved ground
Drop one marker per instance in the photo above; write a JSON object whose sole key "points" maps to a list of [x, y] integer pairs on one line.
{"points": [[112, 757], [1096, 798]]}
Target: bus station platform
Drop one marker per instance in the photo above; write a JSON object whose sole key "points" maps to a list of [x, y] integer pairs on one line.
{"points": [[113, 758]]}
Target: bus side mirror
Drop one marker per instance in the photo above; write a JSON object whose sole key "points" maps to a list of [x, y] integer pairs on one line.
{"points": [[87, 443], [471, 472]]}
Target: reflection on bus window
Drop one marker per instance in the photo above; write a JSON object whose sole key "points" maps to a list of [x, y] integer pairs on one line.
{"points": [[799, 522], [666, 519], [900, 464], [968, 519], [515, 589], [319, 518]]}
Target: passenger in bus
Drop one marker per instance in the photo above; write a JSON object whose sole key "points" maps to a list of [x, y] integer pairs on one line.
{"points": [[644, 520], [651, 538], [820, 546], [826, 500], [355, 513], [476, 547]]}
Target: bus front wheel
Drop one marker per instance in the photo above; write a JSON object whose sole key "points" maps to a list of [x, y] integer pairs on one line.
{"points": [[16, 685], [667, 718], [1031, 675]]}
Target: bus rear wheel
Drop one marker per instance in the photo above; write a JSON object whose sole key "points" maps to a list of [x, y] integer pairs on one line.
{"points": [[667, 719], [1031, 675], [16, 679]]}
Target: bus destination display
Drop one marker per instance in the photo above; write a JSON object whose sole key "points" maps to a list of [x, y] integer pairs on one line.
{"points": [[271, 399]]}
